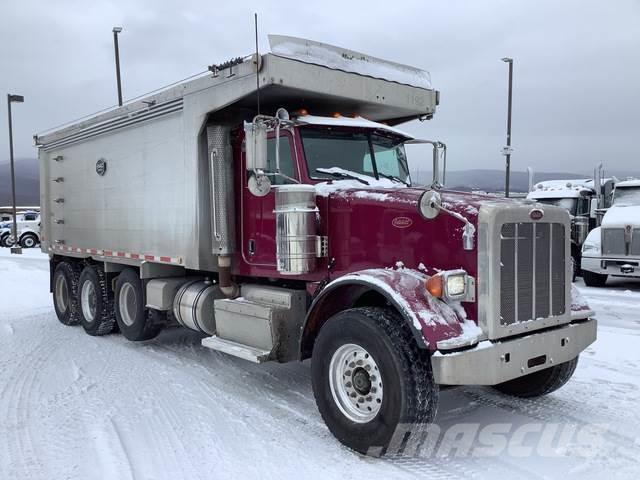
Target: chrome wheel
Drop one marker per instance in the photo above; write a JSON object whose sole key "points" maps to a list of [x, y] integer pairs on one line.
{"points": [[88, 301], [62, 293], [128, 304], [355, 382]]}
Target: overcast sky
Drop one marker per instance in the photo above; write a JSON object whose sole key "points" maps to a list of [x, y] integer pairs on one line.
{"points": [[576, 71]]}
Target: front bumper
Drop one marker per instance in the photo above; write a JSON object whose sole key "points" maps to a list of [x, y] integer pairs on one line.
{"points": [[490, 363], [623, 266]]}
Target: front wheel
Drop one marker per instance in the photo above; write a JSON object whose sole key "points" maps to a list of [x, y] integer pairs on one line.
{"points": [[592, 279], [28, 240], [539, 383], [369, 377]]}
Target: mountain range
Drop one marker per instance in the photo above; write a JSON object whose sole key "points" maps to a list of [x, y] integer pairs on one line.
{"points": [[27, 180]]}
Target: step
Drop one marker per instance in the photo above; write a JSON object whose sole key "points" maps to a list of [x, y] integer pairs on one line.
{"points": [[255, 355]]}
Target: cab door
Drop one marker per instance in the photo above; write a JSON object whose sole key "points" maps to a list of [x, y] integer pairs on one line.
{"points": [[258, 222]]}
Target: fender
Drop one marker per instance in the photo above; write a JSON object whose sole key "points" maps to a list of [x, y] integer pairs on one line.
{"points": [[430, 319]]}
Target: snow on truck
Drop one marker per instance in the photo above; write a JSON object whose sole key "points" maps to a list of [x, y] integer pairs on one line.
{"points": [[297, 236], [614, 247]]}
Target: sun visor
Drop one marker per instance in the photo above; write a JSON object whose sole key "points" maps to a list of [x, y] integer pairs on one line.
{"points": [[337, 58]]}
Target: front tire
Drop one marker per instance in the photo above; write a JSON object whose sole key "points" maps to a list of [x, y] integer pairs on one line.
{"points": [[539, 383], [28, 240], [96, 302], [369, 376], [66, 278], [134, 322], [592, 279]]}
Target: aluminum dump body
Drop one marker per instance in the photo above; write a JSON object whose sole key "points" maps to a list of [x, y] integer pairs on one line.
{"points": [[133, 184]]}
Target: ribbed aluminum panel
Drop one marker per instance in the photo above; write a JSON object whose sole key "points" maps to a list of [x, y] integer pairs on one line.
{"points": [[532, 272], [613, 241]]}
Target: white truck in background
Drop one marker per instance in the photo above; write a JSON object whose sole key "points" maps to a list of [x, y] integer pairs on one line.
{"points": [[582, 199], [613, 248], [28, 224]]}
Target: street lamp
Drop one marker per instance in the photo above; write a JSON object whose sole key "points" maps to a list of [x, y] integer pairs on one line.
{"points": [[116, 31], [506, 151], [13, 99]]}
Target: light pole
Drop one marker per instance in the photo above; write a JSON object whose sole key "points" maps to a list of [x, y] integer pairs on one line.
{"points": [[116, 31], [507, 150], [13, 99]]}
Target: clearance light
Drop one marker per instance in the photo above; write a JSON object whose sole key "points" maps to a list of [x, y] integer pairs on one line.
{"points": [[301, 112], [336, 115]]}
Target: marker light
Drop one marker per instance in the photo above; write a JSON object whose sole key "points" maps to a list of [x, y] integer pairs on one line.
{"points": [[435, 285]]}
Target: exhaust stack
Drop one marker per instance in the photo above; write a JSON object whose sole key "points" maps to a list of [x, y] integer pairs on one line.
{"points": [[222, 208]]}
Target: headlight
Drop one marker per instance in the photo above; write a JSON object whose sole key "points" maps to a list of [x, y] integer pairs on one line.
{"points": [[456, 285], [590, 247], [452, 285]]}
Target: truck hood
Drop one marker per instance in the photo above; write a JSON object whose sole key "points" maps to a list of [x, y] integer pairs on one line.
{"points": [[393, 193], [621, 216]]}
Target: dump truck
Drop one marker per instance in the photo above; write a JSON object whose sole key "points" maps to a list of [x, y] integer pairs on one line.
{"points": [[268, 205]]}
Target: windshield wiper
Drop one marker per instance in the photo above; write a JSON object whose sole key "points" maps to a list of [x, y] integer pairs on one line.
{"points": [[394, 178], [341, 175]]}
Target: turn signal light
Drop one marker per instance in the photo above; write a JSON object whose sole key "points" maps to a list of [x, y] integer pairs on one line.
{"points": [[435, 285]]}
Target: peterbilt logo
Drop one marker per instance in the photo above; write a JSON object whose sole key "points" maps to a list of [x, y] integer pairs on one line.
{"points": [[101, 167], [536, 214], [402, 222]]}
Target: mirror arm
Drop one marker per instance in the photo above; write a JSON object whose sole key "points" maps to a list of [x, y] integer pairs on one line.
{"points": [[468, 231]]}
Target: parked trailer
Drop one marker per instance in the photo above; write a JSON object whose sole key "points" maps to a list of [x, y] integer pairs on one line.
{"points": [[282, 236]]}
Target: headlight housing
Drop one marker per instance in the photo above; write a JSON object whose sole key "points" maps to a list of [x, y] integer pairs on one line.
{"points": [[454, 285]]}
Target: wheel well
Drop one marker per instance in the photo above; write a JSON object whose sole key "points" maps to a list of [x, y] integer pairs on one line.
{"points": [[339, 299]]}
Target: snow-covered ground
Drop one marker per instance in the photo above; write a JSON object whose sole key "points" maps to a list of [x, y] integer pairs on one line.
{"points": [[78, 407]]}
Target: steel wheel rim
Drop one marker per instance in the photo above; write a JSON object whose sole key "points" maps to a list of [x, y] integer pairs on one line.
{"points": [[88, 301], [128, 303], [355, 382], [62, 293], [29, 242]]}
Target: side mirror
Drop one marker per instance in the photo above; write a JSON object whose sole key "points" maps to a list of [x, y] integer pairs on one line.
{"points": [[256, 145]]}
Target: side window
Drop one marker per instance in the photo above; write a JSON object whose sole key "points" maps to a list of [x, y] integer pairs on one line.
{"points": [[30, 217], [286, 161], [583, 206]]}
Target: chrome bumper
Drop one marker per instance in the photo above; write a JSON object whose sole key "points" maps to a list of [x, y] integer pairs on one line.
{"points": [[490, 363], [595, 264]]}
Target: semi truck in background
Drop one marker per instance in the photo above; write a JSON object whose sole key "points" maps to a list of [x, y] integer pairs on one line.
{"points": [[613, 249], [296, 234], [586, 200]]}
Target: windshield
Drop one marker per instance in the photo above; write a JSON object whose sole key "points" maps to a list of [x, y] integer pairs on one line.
{"points": [[364, 153], [568, 203], [626, 196]]}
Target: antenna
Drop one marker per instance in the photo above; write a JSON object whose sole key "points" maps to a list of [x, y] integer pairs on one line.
{"points": [[255, 21]]}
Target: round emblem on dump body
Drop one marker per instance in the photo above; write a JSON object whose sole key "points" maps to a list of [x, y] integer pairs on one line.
{"points": [[536, 214], [402, 222], [101, 167]]}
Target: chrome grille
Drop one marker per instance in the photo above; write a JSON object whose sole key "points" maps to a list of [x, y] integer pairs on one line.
{"points": [[532, 271], [635, 242], [613, 241]]}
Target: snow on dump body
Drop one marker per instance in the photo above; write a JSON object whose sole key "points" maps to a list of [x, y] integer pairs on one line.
{"points": [[338, 58]]}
